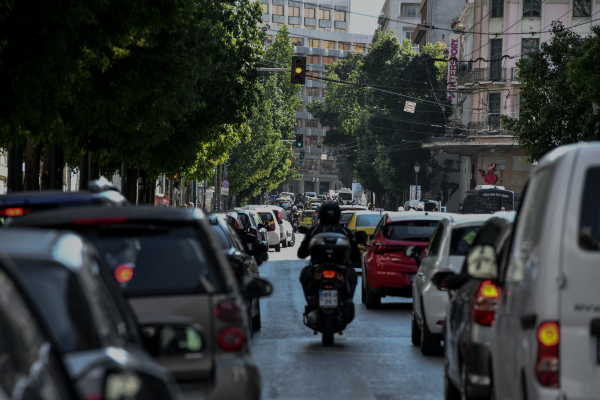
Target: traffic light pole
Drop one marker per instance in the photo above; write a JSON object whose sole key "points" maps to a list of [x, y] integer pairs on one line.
{"points": [[273, 70]]}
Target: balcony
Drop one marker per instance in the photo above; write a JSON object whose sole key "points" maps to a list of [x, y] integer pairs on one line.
{"points": [[493, 126], [480, 75], [514, 71], [310, 21], [341, 25], [279, 19], [325, 23]]}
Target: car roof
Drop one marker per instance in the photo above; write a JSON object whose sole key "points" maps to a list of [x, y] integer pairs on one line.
{"points": [[17, 199], [468, 219], [396, 216]]}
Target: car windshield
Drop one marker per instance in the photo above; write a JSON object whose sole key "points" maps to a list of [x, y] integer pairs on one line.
{"points": [[162, 261], [367, 220], [418, 231], [429, 206], [462, 239], [489, 202], [345, 196], [221, 236], [346, 217]]}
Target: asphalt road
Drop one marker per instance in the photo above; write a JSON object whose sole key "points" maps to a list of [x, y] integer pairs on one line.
{"points": [[373, 359]]}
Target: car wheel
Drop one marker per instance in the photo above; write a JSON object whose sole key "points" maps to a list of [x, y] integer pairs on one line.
{"points": [[278, 247], [284, 244], [415, 332], [450, 391], [256, 322], [259, 259], [430, 343], [362, 294], [265, 256], [293, 241], [372, 299]]}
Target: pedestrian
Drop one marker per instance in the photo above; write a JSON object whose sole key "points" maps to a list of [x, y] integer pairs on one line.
{"points": [[420, 207], [191, 205], [503, 209], [436, 209]]}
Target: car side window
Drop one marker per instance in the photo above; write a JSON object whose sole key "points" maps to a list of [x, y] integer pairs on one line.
{"points": [[589, 221], [436, 240], [237, 239], [378, 228]]}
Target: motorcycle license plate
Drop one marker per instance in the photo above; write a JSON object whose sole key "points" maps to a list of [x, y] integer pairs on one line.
{"points": [[328, 298], [411, 278]]}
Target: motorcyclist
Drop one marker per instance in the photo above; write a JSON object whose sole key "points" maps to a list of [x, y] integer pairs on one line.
{"points": [[294, 214], [329, 216]]}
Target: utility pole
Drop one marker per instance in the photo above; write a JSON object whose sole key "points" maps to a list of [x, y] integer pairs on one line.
{"points": [[214, 205], [225, 178]]}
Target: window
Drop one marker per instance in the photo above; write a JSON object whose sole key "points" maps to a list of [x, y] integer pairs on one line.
{"points": [[309, 13], [328, 167], [312, 60], [529, 46], [363, 220], [582, 8], [496, 59], [294, 11], [312, 75], [324, 92], [277, 10], [265, 8], [313, 42], [340, 30], [269, 39], [340, 16], [411, 12], [296, 42], [324, 14], [312, 123], [420, 231], [531, 8], [408, 34], [327, 60], [589, 221], [311, 92], [313, 141], [494, 100], [498, 8], [343, 46], [436, 239], [461, 240], [293, 26], [328, 44], [359, 47], [299, 123], [311, 164]]}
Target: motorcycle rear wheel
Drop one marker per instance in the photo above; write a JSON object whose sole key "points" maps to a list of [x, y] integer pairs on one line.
{"points": [[328, 330]]}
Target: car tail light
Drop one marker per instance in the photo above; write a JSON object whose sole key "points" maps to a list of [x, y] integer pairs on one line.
{"points": [[124, 273], [329, 274], [546, 368], [485, 303], [227, 310], [99, 221], [14, 212], [231, 339], [278, 215]]}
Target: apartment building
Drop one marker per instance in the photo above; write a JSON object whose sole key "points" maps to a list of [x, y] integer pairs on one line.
{"points": [[319, 31], [399, 17], [436, 13]]}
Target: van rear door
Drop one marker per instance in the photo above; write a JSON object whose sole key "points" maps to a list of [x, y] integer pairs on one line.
{"points": [[580, 298]]}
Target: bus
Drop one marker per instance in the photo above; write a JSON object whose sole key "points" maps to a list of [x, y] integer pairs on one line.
{"points": [[487, 199]]}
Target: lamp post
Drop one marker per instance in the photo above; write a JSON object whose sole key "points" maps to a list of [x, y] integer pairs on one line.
{"points": [[417, 168], [502, 166]]}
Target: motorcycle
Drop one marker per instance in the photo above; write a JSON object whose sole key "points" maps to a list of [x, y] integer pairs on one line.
{"points": [[295, 221], [330, 308]]}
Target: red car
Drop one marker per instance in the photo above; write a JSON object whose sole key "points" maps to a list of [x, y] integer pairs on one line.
{"points": [[386, 271]]}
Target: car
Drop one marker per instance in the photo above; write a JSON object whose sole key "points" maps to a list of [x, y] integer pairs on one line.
{"points": [[385, 270], [428, 205], [306, 222], [346, 215], [253, 224], [546, 328], [175, 277], [17, 204], [271, 218], [352, 207], [80, 301], [487, 199], [310, 195], [467, 331], [365, 222], [239, 256], [31, 363], [446, 251]]}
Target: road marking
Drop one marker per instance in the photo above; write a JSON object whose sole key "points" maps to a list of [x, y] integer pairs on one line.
{"points": [[360, 388]]}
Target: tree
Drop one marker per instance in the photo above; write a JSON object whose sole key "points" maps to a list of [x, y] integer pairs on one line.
{"points": [[553, 112]]}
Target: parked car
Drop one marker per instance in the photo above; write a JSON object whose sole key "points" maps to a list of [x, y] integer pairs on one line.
{"points": [[179, 284], [31, 363], [469, 319], [364, 223], [446, 251], [273, 217], [242, 262], [386, 271], [81, 303], [251, 223]]}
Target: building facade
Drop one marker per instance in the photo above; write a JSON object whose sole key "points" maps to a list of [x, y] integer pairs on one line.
{"points": [[399, 17], [318, 31], [435, 13]]}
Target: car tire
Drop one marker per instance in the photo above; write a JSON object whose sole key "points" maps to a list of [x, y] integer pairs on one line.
{"points": [[451, 392], [372, 299], [415, 332], [362, 294], [430, 343], [256, 322], [259, 259], [293, 241], [278, 247], [265, 256], [284, 244]]}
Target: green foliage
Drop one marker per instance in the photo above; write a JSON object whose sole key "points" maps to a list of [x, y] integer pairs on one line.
{"points": [[368, 127]]}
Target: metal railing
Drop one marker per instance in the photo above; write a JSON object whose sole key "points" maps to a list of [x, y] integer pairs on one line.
{"points": [[481, 75], [492, 125], [514, 71]]}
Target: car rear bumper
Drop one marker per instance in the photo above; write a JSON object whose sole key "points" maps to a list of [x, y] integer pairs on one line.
{"points": [[477, 362], [389, 279], [405, 291], [434, 303], [234, 378]]}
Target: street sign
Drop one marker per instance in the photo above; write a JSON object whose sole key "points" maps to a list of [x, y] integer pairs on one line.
{"points": [[409, 106], [224, 191], [224, 184], [323, 156]]}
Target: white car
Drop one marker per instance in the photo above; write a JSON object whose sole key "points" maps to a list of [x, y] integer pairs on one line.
{"points": [[280, 232], [547, 325], [446, 251]]}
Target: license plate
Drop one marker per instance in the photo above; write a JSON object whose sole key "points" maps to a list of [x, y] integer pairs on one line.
{"points": [[411, 278], [328, 298]]}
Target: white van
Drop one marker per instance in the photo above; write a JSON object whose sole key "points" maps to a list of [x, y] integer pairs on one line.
{"points": [[546, 333]]}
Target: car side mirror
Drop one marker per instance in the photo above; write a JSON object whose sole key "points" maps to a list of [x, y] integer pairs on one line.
{"points": [[413, 252], [257, 287], [361, 237], [250, 238], [236, 259], [482, 262]]}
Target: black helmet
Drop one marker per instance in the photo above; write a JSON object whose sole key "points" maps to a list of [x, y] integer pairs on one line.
{"points": [[330, 213]]}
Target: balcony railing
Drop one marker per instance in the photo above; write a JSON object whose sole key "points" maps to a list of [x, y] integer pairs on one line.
{"points": [[514, 71], [481, 75], [492, 125]]}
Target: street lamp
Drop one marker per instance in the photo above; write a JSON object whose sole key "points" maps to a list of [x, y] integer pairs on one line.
{"points": [[417, 168], [502, 166]]}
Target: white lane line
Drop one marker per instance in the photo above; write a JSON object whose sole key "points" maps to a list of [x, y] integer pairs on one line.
{"points": [[360, 388]]}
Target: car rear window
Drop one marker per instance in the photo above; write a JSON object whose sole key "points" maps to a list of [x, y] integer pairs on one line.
{"points": [[346, 218], [488, 202], [418, 231], [462, 239], [367, 220], [163, 260], [221, 236], [589, 222], [266, 216]]}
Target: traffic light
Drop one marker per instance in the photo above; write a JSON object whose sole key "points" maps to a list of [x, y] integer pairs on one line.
{"points": [[298, 70], [301, 157], [299, 141]]}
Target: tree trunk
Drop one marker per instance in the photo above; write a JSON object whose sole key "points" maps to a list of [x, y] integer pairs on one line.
{"points": [[142, 188], [131, 183], [32, 166], [84, 172], [47, 167]]}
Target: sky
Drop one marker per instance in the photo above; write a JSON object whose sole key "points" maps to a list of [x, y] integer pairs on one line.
{"points": [[360, 23]]}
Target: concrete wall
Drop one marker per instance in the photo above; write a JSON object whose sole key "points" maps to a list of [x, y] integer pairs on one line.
{"points": [[441, 13]]}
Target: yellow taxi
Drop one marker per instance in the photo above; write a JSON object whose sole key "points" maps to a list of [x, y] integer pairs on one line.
{"points": [[365, 221], [306, 222]]}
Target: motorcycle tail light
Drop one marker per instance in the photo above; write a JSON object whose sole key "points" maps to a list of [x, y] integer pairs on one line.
{"points": [[485, 303], [547, 365], [231, 339], [227, 310], [329, 274]]}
